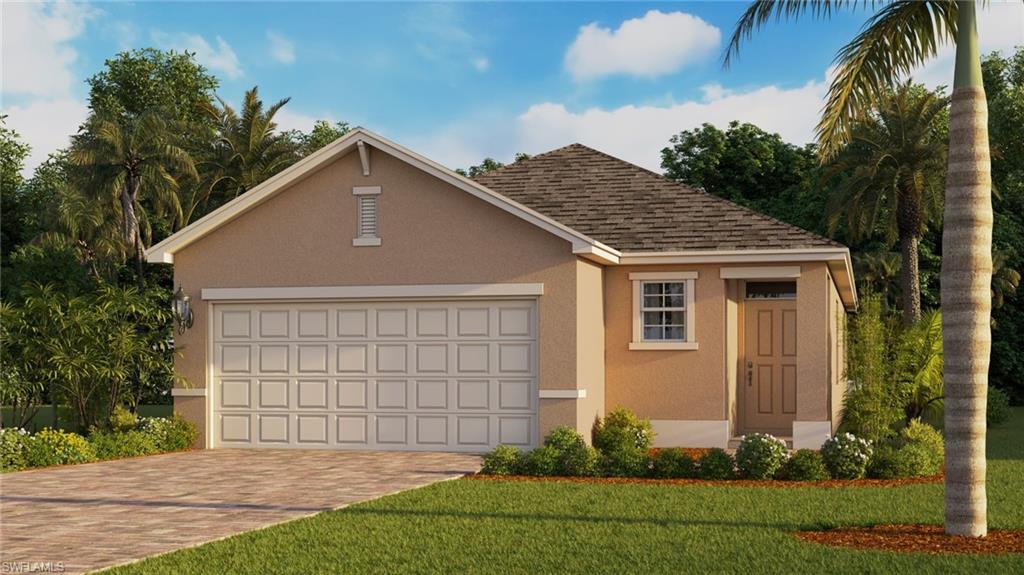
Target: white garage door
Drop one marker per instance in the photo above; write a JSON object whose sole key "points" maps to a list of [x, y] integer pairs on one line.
{"points": [[441, 375]]}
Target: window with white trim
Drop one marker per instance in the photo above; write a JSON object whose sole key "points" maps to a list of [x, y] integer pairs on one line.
{"points": [[663, 310], [366, 215]]}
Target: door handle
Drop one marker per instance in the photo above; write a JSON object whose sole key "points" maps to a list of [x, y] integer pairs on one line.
{"points": [[750, 374]]}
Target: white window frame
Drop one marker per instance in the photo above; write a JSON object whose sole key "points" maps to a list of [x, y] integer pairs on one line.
{"points": [[690, 281], [361, 192]]}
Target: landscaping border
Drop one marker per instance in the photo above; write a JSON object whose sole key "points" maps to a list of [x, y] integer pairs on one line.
{"points": [[772, 483], [917, 538]]}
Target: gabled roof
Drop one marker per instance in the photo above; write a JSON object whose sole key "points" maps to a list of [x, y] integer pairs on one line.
{"points": [[164, 251], [632, 209]]}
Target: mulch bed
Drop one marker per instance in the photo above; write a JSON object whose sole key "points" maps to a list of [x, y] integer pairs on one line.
{"points": [[918, 539], [830, 484]]}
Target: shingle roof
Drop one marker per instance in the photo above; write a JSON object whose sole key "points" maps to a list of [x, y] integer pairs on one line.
{"points": [[632, 209]]}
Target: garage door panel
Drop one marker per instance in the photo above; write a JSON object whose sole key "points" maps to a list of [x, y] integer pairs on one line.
{"points": [[443, 375]]}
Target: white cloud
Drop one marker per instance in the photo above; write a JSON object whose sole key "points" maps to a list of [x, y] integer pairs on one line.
{"points": [[37, 57], [440, 36], [1000, 27], [281, 49], [481, 64], [46, 125], [219, 58], [288, 119], [656, 44]]}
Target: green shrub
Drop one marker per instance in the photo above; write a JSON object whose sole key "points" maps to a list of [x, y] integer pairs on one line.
{"points": [[760, 455], [625, 461], [883, 464], [673, 463], [564, 438], [583, 462], [846, 456], [542, 462], [928, 438], [121, 420], [998, 407], [173, 433], [56, 447], [118, 444], [804, 465], [620, 429], [717, 464], [13, 445], [575, 458], [910, 460], [503, 460]]}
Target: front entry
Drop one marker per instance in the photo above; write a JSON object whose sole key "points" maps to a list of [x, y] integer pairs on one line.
{"points": [[769, 361]]}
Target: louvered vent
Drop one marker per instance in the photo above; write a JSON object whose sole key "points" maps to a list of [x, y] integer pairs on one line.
{"points": [[367, 216]]}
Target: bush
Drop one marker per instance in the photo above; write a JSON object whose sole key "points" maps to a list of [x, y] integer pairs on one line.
{"points": [[998, 407], [760, 455], [717, 464], [503, 460], [564, 439], [928, 438], [118, 444], [620, 429], [542, 462], [673, 463], [13, 445], [121, 419], [883, 464], [583, 462], [846, 456], [625, 461], [56, 447], [911, 460], [804, 465], [574, 457], [173, 433]]}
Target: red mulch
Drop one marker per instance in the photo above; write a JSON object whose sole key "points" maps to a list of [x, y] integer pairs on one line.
{"points": [[918, 539], [830, 484]]}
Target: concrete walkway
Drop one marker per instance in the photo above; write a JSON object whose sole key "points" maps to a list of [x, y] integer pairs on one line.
{"points": [[84, 517]]}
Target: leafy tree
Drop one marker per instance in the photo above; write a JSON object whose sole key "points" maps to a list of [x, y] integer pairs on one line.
{"points": [[247, 150], [751, 167], [488, 165], [126, 160], [13, 152], [897, 38], [890, 177], [323, 133]]}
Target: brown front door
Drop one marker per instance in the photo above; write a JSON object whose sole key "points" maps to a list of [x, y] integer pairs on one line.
{"points": [[769, 364]]}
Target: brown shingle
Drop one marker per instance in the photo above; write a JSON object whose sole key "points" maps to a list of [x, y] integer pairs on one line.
{"points": [[632, 209]]}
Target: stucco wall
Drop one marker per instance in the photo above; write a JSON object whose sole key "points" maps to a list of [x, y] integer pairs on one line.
{"points": [[590, 342], [432, 233], [837, 329], [812, 347]]}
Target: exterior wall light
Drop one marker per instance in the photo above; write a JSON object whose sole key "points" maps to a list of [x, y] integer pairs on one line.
{"points": [[183, 315]]}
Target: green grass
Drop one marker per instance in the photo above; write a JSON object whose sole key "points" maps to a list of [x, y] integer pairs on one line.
{"points": [[517, 527]]}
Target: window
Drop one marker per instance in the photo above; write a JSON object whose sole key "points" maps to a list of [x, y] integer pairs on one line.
{"points": [[366, 215], [663, 311], [771, 290]]}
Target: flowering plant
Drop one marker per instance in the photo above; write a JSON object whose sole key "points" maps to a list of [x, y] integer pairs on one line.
{"points": [[846, 456], [760, 455]]}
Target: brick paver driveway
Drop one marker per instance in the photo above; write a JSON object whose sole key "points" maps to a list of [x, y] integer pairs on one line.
{"points": [[101, 514]]}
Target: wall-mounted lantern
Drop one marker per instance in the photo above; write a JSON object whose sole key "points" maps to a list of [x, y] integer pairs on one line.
{"points": [[182, 310]]}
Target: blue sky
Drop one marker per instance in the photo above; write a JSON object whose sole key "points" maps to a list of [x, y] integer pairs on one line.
{"points": [[457, 82]]}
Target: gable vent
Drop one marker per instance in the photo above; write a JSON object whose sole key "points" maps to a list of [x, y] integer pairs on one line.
{"points": [[366, 216]]}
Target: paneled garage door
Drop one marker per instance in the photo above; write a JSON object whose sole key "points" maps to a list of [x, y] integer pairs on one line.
{"points": [[441, 375]]}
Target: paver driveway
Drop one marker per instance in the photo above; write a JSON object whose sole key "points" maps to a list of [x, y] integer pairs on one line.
{"points": [[102, 514]]}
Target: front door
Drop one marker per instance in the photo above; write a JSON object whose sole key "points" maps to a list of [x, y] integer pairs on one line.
{"points": [[769, 364]]}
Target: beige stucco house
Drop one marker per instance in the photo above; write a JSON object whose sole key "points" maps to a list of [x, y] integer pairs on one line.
{"points": [[369, 298]]}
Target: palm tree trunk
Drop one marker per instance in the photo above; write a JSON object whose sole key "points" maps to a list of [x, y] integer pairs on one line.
{"points": [[909, 280], [966, 283], [131, 230]]}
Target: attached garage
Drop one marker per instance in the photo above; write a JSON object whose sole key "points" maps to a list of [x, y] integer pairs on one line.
{"points": [[440, 375]]}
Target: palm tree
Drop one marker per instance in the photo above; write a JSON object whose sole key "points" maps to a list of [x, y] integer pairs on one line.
{"points": [[248, 149], [899, 37], [878, 272], [891, 171], [127, 160]]}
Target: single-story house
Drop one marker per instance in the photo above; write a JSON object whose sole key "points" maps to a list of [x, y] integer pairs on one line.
{"points": [[370, 298]]}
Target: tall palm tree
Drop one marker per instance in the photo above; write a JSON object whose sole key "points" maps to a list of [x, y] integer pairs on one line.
{"points": [[247, 150], [124, 161], [897, 38], [891, 170]]}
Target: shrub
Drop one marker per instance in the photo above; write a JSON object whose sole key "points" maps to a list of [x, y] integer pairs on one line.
{"points": [[883, 463], [717, 464], [583, 462], [13, 444], [56, 447], [910, 460], [846, 456], [173, 433], [542, 462], [673, 463], [804, 465], [625, 461], [503, 460], [998, 407], [118, 444], [574, 457], [760, 455], [564, 438], [929, 439], [621, 428], [121, 419]]}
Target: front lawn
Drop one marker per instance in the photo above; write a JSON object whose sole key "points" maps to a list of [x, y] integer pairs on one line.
{"points": [[532, 527]]}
